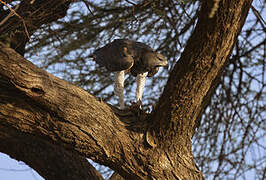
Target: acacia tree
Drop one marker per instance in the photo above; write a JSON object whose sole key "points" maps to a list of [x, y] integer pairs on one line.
{"points": [[46, 121]]}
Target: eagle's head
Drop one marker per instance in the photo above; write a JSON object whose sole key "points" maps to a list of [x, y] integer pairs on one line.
{"points": [[149, 61], [153, 61]]}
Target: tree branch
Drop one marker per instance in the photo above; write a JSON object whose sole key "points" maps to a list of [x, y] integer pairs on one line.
{"points": [[200, 64], [61, 101], [34, 102], [32, 150]]}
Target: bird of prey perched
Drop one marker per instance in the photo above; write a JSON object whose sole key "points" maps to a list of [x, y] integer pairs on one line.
{"points": [[126, 56]]}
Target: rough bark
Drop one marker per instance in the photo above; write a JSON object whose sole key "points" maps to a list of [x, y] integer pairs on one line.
{"points": [[40, 107], [116, 176], [15, 31], [200, 64]]}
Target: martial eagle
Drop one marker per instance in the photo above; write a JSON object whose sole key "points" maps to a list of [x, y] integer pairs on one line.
{"points": [[126, 56]]}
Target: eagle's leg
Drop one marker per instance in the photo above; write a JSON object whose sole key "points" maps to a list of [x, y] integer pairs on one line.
{"points": [[119, 87], [141, 79]]}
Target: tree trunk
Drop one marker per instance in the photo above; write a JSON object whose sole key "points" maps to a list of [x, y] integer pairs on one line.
{"points": [[64, 122]]}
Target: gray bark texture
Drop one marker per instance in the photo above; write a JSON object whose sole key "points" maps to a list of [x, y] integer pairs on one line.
{"points": [[53, 125]]}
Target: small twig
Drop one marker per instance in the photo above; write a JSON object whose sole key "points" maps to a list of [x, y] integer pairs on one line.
{"points": [[184, 10], [9, 15], [257, 14], [88, 7], [14, 12], [26, 30], [130, 2]]}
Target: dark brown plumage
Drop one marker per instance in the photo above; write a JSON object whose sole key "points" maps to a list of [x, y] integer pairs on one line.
{"points": [[121, 56]]}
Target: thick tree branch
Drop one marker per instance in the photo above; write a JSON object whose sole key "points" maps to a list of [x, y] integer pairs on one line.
{"points": [[57, 100], [39, 154], [201, 62], [65, 164], [34, 102]]}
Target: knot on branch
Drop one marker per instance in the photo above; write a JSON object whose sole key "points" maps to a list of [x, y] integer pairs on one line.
{"points": [[150, 138], [139, 121], [37, 91]]}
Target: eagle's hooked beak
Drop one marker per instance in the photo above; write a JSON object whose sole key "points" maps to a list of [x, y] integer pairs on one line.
{"points": [[166, 65], [163, 61]]}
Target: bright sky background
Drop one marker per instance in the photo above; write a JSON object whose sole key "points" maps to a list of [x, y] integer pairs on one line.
{"points": [[11, 169]]}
